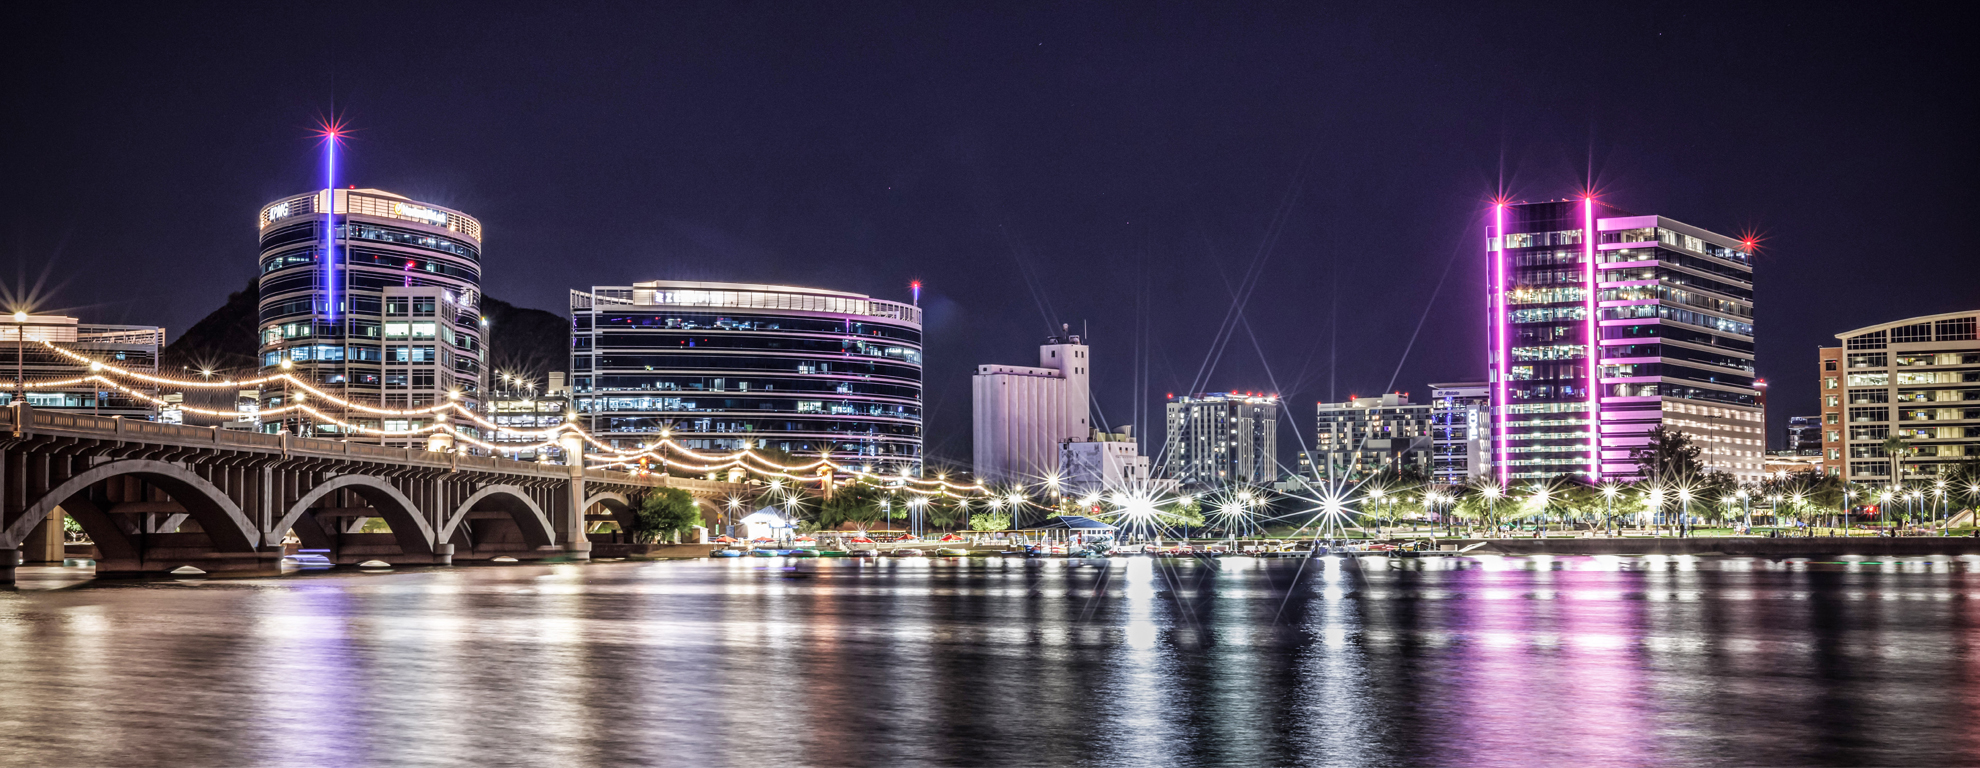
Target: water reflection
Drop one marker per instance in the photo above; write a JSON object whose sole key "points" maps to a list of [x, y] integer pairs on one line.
{"points": [[1370, 661]]}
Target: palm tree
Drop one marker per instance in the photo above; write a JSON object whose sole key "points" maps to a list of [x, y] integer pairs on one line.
{"points": [[1896, 447]]}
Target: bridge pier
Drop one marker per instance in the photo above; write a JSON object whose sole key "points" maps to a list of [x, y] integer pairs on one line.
{"points": [[576, 547], [44, 543]]}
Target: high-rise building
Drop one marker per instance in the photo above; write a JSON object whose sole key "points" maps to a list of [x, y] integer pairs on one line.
{"points": [[1804, 436], [373, 298], [1021, 414], [1460, 432], [724, 366], [1830, 359], [1370, 435], [1917, 380], [1669, 306], [1222, 439], [29, 362]]}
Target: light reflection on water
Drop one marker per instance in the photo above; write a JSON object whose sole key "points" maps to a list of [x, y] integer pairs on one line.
{"points": [[1439, 661]]}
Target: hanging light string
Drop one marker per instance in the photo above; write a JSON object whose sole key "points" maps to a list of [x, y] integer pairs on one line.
{"points": [[608, 455], [440, 424]]}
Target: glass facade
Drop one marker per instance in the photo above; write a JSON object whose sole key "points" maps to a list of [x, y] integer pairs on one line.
{"points": [[723, 366], [1917, 380], [1460, 445], [130, 347], [393, 320], [1600, 317], [1222, 440]]}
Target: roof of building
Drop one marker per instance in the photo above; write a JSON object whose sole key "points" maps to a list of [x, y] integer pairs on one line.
{"points": [[1905, 322], [696, 285]]}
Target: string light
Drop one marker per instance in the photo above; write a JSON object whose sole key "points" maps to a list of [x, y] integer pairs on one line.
{"points": [[608, 455]]}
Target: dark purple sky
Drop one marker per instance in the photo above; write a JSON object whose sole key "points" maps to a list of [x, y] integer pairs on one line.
{"points": [[860, 146]]}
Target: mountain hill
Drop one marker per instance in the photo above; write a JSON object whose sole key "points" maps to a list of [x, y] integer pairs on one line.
{"points": [[522, 341]]}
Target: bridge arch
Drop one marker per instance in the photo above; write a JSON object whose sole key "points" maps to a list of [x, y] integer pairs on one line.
{"points": [[617, 505], [218, 516], [528, 517], [408, 526]]}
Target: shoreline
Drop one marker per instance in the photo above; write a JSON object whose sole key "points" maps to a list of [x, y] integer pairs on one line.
{"points": [[1737, 546]]}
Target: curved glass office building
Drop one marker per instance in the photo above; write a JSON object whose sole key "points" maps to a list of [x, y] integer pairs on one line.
{"points": [[390, 317], [721, 366]]}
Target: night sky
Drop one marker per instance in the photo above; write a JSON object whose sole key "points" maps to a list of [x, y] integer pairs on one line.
{"points": [[1118, 168]]}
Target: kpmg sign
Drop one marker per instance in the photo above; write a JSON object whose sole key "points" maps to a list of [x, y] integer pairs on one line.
{"points": [[427, 215]]}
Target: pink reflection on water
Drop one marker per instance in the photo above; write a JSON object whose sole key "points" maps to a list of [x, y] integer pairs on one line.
{"points": [[1543, 668]]}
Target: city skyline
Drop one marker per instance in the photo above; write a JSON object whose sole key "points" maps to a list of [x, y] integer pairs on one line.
{"points": [[918, 383], [1015, 229]]}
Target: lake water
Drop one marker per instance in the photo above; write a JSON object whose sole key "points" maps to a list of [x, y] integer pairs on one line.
{"points": [[1370, 661]]}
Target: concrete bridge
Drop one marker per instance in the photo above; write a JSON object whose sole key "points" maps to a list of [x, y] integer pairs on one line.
{"points": [[155, 497]]}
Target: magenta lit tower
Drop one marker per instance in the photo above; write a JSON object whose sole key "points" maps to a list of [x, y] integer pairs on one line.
{"points": [[1667, 309]]}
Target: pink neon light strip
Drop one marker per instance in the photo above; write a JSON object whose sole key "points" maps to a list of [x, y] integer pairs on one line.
{"points": [[1500, 408], [1594, 347]]}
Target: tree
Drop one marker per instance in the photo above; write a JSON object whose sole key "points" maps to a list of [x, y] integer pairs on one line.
{"points": [[858, 504], [990, 521], [664, 512], [1895, 447], [944, 512], [1576, 500], [1474, 501], [1670, 455]]}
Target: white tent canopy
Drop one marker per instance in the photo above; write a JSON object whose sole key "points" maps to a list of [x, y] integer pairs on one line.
{"points": [[764, 523]]}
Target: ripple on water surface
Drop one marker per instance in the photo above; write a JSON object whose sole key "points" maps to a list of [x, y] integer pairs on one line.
{"points": [[1373, 661]]}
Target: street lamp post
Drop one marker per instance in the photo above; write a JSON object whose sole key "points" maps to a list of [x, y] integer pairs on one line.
{"points": [[1609, 491], [1376, 496], [20, 357], [287, 399], [1939, 516], [1684, 513], [1656, 500]]}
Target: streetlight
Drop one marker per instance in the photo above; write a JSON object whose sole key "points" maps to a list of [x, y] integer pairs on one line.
{"points": [[1684, 516], [1656, 500], [1540, 497], [1941, 491], [20, 356], [1375, 496], [1609, 491], [287, 402], [1973, 494]]}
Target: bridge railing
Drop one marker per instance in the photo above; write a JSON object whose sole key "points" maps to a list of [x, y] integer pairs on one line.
{"points": [[21, 420]]}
